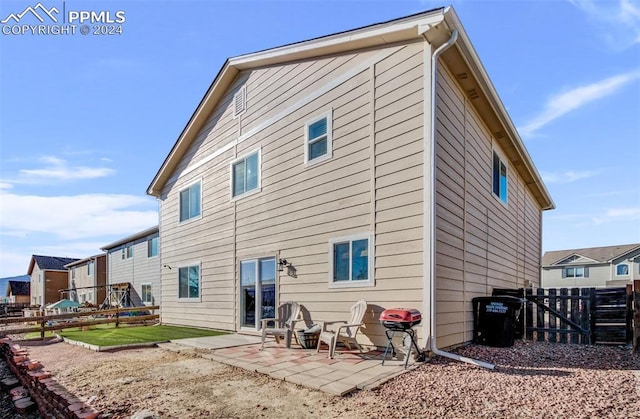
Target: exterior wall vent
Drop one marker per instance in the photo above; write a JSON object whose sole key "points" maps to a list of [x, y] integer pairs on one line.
{"points": [[462, 76], [240, 102], [473, 93]]}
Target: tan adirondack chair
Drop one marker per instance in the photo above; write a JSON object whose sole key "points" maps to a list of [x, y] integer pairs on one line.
{"points": [[345, 333], [283, 324]]}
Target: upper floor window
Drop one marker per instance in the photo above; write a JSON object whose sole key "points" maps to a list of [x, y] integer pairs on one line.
{"points": [[351, 260], [127, 251], [318, 138], [190, 202], [622, 269], [152, 247], [189, 282], [575, 272], [90, 268], [73, 273], [245, 174], [499, 178]]}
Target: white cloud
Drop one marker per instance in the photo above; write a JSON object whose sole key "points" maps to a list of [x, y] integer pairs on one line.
{"points": [[568, 176], [575, 98], [618, 22], [630, 214], [5, 185], [76, 217], [58, 169]]}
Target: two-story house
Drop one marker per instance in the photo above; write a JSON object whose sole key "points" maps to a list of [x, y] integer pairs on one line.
{"points": [[600, 267], [88, 280], [133, 269], [48, 278], [376, 163]]}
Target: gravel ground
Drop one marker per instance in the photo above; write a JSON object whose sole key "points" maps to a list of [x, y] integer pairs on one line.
{"points": [[531, 380]]}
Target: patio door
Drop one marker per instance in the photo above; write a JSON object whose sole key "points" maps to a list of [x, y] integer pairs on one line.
{"points": [[257, 291]]}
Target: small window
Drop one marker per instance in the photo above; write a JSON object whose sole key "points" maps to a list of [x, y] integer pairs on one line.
{"points": [[190, 202], [90, 267], [351, 260], [189, 282], [622, 269], [499, 178], [152, 247], [127, 251], [240, 102], [73, 273], [147, 296], [245, 174], [318, 139], [575, 272]]}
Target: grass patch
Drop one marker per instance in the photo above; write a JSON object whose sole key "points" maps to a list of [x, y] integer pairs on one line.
{"points": [[113, 336]]}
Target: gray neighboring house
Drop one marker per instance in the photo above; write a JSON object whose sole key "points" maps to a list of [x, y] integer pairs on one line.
{"points": [[609, 266], [134, 260]]}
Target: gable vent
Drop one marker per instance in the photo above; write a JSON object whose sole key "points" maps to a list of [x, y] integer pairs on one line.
{"points": [[240, 101], [473, 93]]}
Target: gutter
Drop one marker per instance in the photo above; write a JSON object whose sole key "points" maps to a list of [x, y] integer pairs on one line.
{"points": [[430, 208]]}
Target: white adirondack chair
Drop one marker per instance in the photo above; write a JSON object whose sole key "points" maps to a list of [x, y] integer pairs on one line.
{"points": [[345, 333]]}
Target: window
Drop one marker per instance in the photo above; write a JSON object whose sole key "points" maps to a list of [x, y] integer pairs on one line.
{"points": [[575, 272], [318, 139], [351, 260], [189, 282], [240, 102], [499, 178], [73, 272], [90, 267], [622, 269], [190, 202], [152, 247], [146, 296], [245, 174], [127, 251]]}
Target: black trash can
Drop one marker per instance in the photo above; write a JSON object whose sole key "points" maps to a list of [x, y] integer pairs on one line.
{"points": [[495, 320]]}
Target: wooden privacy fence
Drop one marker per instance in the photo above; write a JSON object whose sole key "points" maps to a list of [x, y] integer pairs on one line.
{"points": [[43, 324], [578, 315]]}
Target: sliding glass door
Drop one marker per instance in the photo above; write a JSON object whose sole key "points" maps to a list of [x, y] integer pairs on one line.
{"points": [[257, 291]]}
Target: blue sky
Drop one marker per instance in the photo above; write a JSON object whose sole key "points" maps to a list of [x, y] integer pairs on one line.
{"points": [[86, 120]]}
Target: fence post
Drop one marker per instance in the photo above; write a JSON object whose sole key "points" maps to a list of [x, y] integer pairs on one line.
{"points": [[42, 323], [593, 301], [553, 320], [541, 335], [575, 313], [636, 315], [585, 313], [117, 317], [528, 327]]}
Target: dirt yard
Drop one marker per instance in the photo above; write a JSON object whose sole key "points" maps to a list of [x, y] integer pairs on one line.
{"points": [[531, 380]]}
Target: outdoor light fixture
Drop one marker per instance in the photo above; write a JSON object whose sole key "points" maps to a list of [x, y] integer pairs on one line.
{"points": [[166, 266], [282, 263]]}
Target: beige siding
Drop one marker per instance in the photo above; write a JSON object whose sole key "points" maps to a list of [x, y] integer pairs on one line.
{"points": [[481, 243], [53, 281], [85, 287], [373, 182], [138, 270]]}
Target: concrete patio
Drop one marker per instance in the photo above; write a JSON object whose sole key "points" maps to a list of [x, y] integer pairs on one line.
{"points": [[348, 371]]}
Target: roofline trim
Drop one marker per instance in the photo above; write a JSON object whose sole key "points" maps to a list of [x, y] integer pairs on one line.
{"points": [[132, 237]]}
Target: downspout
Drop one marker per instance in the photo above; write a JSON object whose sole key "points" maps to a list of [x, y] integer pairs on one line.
{"points": [[432, 208]]}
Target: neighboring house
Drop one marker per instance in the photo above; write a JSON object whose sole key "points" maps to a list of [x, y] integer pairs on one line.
{"points": [[88, 280], [134, 261], [608, 266], [304, 174], [18, 292], [48, 278]]}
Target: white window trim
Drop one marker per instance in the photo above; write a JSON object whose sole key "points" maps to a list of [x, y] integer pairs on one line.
{"points": [[329, 155], [151, 285], [190, 299], [504, 161], [185, 187], [242, 92], [158, 237], [256, 190], [90, 274], [371, 252], [628, 269]]}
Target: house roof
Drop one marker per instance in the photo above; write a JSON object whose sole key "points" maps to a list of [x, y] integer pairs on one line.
{"points": [[49, 263], [85, 260], [436, 25], [133, 237], [19, 288], [603, 254]]}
